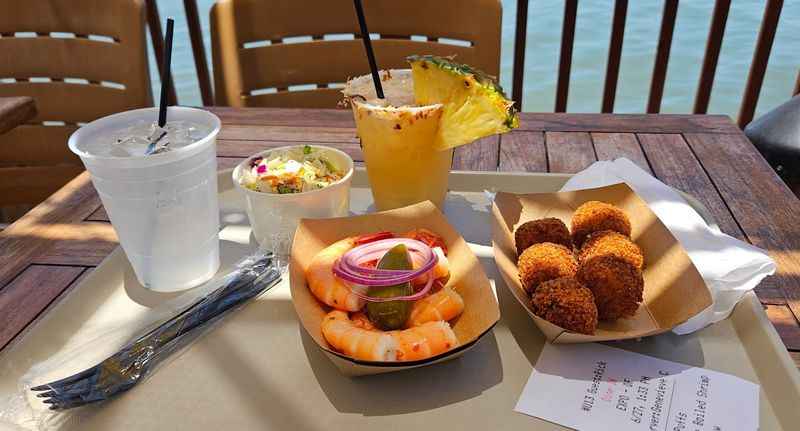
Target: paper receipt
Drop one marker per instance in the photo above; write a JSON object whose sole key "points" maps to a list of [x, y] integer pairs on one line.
{"points": [[596, 387]]}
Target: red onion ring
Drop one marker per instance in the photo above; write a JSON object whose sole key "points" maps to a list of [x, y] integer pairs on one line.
{"points": [[419, 295], [349, 267]]}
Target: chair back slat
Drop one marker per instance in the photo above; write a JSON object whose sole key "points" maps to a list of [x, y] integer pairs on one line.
{"points": [[565, 58], [758, 67], [281, 60], [258, 20], [48, 16], [21, 186], [71, 102], [297, 99], [77, 58], [716, 32], [614, 55], [519, 52], [662, 56], [282, 65], [38, 148]]}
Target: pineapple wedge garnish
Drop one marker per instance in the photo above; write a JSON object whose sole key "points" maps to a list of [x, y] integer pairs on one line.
{"points": [[474, 104]]}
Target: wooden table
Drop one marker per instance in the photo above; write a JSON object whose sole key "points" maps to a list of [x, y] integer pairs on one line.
{"points": [[15, 111], [54, 246]]}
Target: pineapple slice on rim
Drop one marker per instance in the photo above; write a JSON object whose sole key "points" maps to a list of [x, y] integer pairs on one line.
{"points": [[474, 104]]}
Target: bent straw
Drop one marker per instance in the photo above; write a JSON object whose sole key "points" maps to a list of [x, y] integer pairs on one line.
{"points": [[362, 22]]}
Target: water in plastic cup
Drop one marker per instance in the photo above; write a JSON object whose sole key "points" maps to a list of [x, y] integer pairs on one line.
{"points": [[397, 138], [164, 205]]}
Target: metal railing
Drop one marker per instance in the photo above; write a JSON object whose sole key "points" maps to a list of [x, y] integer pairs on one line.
{"points": [[755, 78], [719, 18]]}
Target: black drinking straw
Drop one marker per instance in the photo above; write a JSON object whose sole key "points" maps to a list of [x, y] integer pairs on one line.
{"points": [[368, 46], [165, 74]]}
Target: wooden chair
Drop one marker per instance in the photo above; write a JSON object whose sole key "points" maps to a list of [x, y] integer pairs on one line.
{"points": [[80, 60], [255, 64]]}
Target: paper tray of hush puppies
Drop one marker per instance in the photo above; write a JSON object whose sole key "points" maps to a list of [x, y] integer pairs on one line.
{"points": [[594, 265]]}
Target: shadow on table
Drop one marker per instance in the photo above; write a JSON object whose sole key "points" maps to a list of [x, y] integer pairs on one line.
{"points": [[474, 222], [669, 346], [414, 390], [230, 253]]}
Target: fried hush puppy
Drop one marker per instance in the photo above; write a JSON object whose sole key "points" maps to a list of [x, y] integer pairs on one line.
{"points": [[542, 230], [545, 261], [566, 303], [595, 216], [611, 243], [617, 286]]}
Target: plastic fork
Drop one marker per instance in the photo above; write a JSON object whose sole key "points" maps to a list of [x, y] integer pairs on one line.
{"points": [[126, 368]]}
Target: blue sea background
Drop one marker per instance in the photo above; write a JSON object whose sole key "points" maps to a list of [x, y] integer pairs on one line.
{"points": [[590, 54]]}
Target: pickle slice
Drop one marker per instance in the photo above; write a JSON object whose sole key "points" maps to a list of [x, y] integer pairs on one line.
{"points": [[391, 315]]}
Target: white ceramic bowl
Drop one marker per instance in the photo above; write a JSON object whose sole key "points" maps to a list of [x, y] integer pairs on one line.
{"points": [[274, 217]]}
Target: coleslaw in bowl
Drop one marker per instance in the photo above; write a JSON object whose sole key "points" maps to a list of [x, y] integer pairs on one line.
{"points": [[282, 185]]}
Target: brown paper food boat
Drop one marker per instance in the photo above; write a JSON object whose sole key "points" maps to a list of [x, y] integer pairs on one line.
{"points": [[481, 310], [673, 289]]}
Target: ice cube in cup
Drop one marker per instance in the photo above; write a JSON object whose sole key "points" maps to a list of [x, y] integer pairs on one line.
{"points": [[163, 206]]}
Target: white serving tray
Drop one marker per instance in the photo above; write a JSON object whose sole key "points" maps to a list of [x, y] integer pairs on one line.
{"points": [[259, 370]]}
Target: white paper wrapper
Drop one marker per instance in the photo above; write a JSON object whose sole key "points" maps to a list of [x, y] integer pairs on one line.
{"points": [[729, 267]]}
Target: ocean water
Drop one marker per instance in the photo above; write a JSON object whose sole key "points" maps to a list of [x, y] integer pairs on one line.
{"points": [[590, 53]]}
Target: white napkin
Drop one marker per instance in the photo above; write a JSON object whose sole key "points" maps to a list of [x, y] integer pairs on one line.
{"points": [[729, 267]]}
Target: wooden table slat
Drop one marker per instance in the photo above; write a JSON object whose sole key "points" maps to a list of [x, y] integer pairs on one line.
{"points": [[523, 152], [480, 155], [99, 214], [674, 164], [30, 293], [796, 357], [568, 153], [786, 324], [610, 146], [246, 148], [530, 121], [767, 211], [333, 118], [85, 244], [31, 235], [291, 134], [626, 123]]}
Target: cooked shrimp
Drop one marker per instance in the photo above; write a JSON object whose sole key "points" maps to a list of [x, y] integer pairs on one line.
{"points": [[442, 305], [424, 341], [347, 337], [440, 271], [326, 286], [429, 238], [362, 321]]}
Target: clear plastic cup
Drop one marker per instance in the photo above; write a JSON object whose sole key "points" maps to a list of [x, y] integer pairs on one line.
{"points": [[163, 206]]}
